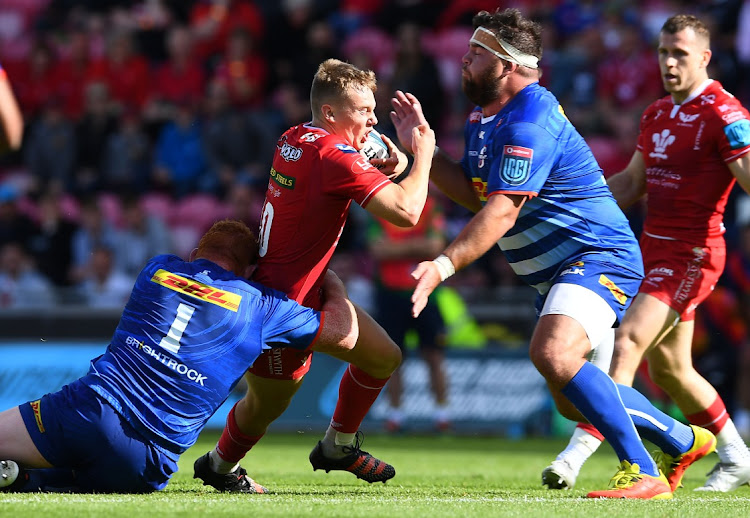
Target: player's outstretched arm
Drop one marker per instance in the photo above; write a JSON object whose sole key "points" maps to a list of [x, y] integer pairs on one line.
{"points": [[11, 120], [741, 170], [340, 329], [445, 172], [479, 235], [629, 185]]}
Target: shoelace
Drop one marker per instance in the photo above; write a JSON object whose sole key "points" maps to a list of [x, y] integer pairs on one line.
{"points": [[624, 478], [664, 461], [359, 438]]}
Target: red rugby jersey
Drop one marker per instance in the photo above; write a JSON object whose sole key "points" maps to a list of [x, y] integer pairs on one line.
{"points": [[686, 149], [314, 178]]}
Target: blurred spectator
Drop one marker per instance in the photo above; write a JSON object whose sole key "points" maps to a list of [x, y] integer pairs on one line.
{"points": [[621, 91], [211, 22], [94, 231], [21, 285], [416, 72], [141, 237], [34, 79], [320, 44], [103, 286], [180, 77], [50, 149], [52, 244], [233, 138], [283, 44], [15, 226], [73, 71], [125, 72], [245, 203], [92, 132], [180, 161], [243, 69], [126, 160]]}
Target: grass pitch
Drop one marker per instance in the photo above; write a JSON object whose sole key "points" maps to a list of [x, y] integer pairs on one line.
{"points": [[435, 477]]}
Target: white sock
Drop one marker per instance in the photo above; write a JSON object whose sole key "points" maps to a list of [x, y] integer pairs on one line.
{"points": [[219, 465], [730, 447], [334, 441], [582, 445]]}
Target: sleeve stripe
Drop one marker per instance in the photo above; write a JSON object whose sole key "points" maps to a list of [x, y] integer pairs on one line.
{"points": [[738, 155], [530, 194], [373, 192]]}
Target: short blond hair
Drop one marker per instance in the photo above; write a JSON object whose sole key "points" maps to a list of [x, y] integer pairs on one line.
{"points": [[334, 79]]}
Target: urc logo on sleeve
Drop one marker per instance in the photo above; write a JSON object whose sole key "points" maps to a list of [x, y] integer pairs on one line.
{"points": [[515, 167]]}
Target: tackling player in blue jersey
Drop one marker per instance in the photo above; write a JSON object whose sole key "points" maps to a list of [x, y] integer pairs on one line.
{"points": [[186, 336], [538, 192]]}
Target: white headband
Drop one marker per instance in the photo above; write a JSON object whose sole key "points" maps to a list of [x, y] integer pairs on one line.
{"points": [[486, 39]]}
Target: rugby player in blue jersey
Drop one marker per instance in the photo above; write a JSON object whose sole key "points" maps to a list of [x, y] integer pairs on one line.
{"points": [[186, 336], [538, 192]]}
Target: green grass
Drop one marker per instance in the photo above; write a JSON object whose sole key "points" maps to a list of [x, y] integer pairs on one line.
{"points": [[436, 477]]}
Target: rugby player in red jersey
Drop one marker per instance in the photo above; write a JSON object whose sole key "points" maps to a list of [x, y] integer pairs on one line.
{"points": [[317, 172], [694, 144]]}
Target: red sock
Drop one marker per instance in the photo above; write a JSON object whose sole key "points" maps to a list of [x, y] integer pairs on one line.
{"points": [[233, 444], [713, 418], [357, 392], [591, 429]]}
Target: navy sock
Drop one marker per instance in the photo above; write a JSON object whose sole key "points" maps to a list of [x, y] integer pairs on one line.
{"points": [[595, 395], [667, 433], [53, 480]]}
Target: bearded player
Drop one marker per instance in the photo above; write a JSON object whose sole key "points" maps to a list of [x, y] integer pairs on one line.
{"points": [[693, 145], [317, 172]]}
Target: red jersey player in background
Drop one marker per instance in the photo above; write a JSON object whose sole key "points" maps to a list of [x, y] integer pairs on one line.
{"points": [[397, 252], [693, 145], [317, 172]]}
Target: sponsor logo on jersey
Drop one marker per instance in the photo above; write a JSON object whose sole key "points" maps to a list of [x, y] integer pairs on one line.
{"points": [[661, 141], [738, 133], [482, 157], [515, 167], [361, 165], [475, 117], [481, 134], [36, 407], [480, 187], [167, 360], [724, 108], [575, 268], [282, 179], [311, 137], [687, 120], [289, 153], [708, 99], [346, 148], [613, 289], [731, 117], [698, 135], [661, 270], [198, 290]]}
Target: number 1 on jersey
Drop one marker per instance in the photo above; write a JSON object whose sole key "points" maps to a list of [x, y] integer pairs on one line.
{"points": [[171, 342]]}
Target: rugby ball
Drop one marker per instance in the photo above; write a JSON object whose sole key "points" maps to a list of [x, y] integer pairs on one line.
{"points": [[374, 147]]}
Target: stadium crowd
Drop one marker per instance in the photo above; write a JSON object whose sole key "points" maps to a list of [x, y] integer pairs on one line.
{"points": [[147, 121]]}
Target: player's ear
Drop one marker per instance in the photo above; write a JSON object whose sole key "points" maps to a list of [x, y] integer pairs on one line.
{"points": [[327, 111], [193, 253]]}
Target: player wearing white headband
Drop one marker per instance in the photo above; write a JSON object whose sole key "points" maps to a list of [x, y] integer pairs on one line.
{"points": [[538, 192]]}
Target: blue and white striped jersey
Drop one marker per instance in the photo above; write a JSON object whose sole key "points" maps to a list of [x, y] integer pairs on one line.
{"points": [[531, 148]]}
